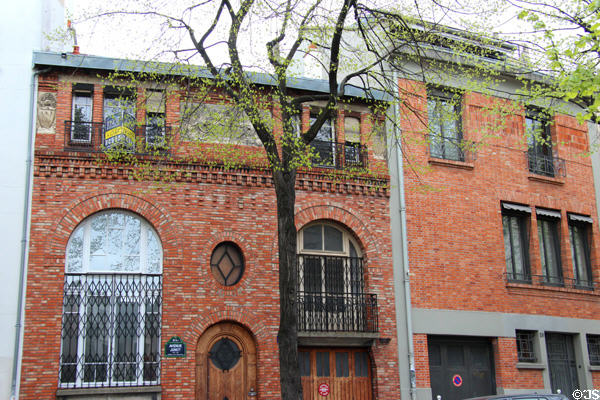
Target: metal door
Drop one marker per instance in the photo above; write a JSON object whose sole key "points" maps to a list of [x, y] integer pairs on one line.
{"points": [[461, 367], [561, 360]]}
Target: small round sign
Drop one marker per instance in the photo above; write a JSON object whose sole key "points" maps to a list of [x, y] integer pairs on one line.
{"points": [[457, 380], [324, 389]]}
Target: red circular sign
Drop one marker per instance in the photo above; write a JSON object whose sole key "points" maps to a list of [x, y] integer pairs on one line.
{"points": [[457, 380], [324, 389]]}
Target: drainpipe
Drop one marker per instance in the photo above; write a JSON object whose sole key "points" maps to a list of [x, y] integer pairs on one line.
{"points": [[397, 148], [25, 234]]}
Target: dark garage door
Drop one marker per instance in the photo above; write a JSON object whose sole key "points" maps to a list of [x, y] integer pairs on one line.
{"points": [[460, 367]]}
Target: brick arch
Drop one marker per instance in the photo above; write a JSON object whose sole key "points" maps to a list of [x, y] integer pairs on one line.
{"points": [[222, 313], [83, 208], [346, 217]]}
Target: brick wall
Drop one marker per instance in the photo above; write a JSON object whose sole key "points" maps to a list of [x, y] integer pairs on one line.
{"points": [[200, 208]]}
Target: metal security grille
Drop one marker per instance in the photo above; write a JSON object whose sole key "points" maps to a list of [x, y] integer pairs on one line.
{"points": [[331, 295], [525, 346], [111, 330], [594, 349]]}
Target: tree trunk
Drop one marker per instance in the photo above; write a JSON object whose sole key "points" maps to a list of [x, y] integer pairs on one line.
{"points": [[287, 338]]}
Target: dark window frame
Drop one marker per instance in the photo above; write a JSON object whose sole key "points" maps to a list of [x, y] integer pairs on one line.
{"points": [[451, 142], [539, 142], [593, 344], [526, 350], [548, 245], [523, 224], [582, 274]]}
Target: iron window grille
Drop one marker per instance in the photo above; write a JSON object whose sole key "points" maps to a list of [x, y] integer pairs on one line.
{"points": [[515, 221], [526, 346], [539, 145], [111, 327], [594, 349], [111, 318]]}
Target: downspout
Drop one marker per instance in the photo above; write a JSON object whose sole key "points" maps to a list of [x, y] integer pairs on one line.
{"points": [[397, 145], [25, 234]]}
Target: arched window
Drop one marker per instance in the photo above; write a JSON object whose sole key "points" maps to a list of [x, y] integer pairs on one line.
{"points": [[112, 303], [331, 280]]}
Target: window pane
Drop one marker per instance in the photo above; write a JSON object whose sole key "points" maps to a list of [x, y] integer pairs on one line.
{"points": [[361, 364], [127, 326], [322, 363], [515, 229], [352, 129], [333, 239], [341, 364], [580, 254], [312, 238], [304, 363], [153, 253], [97, 337], [548, 236], [75, 251]]}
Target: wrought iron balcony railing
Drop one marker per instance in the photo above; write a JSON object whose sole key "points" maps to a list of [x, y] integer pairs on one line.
{"points": [[541, 164], [94, 137], [339, 155], [454, 149], [331, 295], [557, 281]]}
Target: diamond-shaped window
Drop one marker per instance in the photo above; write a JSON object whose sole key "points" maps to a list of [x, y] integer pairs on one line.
{"points": [[227, 263]]}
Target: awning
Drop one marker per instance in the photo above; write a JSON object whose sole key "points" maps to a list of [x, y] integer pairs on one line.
{"points": [[581, 218], [516, 207], [547, 213]]}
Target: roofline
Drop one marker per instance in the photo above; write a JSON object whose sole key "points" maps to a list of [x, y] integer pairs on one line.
{"points": [[87, 61]]}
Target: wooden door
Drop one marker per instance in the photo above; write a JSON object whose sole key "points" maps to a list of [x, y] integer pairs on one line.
{"points": [[345, 372], [225, 363]]}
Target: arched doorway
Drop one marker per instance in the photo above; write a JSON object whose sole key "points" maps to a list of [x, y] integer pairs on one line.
{"points": [[225, 363]]}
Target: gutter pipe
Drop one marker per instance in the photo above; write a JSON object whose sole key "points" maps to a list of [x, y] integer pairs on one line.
{"points": [[397, 145], [25, 234]]}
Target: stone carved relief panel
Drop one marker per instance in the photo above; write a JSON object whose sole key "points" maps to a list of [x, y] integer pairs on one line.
{"points": [[46, 113]]}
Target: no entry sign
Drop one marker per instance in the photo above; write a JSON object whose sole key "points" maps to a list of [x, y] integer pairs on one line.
{"points": [[324, 389]]}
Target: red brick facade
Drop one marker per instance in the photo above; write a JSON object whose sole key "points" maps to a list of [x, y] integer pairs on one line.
{"points": [[200, 208], [455, 231]]}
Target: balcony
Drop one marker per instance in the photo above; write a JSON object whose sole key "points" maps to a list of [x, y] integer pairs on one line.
{"points": [[331, 296], [546, 165], [339, 155], [95, 137]]}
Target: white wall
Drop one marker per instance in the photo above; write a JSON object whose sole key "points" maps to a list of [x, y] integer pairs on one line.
{"points": [[21, 27]]}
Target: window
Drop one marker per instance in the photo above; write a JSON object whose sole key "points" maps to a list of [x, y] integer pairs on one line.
{"points": [[352, 148], [593, 342], [324, 143], [579, 232], [227, 263], [515, 223], [112, 303], [539, 143], [526, 346], [331, 284], [81, 114], [445, 131], [548, 235], [155, 119], [119, 118]]}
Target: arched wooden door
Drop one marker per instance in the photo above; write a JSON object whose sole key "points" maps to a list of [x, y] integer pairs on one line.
{"points": [[225, 363]]}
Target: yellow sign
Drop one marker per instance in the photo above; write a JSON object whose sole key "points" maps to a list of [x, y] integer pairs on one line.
{"points": [[120, 130]]}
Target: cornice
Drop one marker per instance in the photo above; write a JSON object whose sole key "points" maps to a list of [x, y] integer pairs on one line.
{"points": [[77, 166]]}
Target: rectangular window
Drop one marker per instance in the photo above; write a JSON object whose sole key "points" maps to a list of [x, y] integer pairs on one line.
{"points": [[324, 143], [594, 349], [304, 363], [322, 363], [579, 232], [445, 130], [342, 368], [81, 114], [539, 143], [119, 118], [526, 346], [155, 134], [515, 228], [548, 234]]}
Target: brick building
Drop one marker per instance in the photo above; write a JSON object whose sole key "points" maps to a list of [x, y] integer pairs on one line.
{"points": [[502, 236], [167, 288]]}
